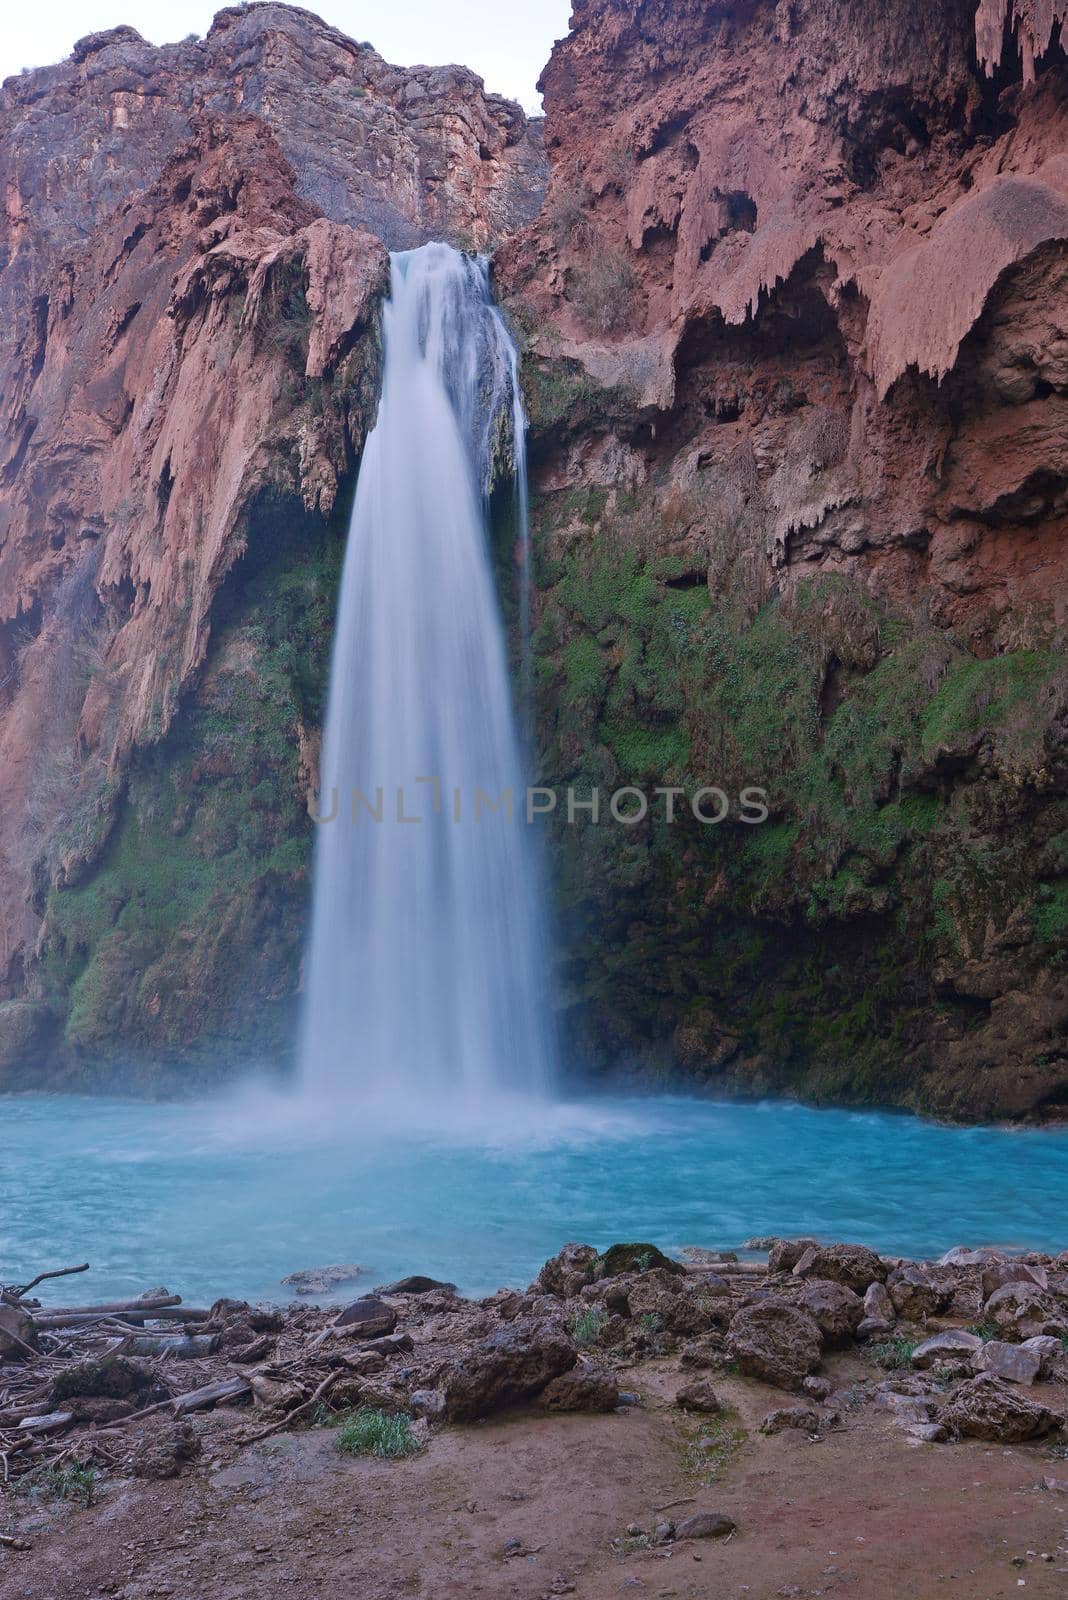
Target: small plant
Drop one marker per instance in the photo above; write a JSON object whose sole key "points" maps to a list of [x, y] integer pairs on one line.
{"points": [[369, 1432], [984, 1330], [605, 291], [587, 1326], [894, 1354], [75, 1483], [711, 1451], [649, 1322]]}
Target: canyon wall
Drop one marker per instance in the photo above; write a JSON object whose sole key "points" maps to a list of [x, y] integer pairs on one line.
{"points": [[793, 316], [193, 253]]}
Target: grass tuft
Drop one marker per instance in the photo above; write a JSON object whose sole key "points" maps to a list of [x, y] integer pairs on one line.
{"points": [[369, 1432]]}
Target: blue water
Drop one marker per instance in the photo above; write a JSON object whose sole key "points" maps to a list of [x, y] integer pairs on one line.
{"points": [[226, 1198]]}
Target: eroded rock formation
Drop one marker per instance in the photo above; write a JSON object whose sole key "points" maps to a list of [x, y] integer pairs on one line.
{"points": [[795, 312], [794, 315], [193, 249]]}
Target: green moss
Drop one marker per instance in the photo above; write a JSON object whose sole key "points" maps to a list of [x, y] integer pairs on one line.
{"points": [[1051, 914]]}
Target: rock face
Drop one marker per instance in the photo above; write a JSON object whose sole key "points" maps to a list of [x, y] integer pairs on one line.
{"points": [[192, 252], [800, 420], [794, 318]]}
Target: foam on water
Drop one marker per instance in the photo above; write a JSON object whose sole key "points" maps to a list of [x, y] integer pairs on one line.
{"points": [[218, 1199]]}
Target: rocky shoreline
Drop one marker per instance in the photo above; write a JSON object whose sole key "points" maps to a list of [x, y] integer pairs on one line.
{"points": [[149, 1405]]}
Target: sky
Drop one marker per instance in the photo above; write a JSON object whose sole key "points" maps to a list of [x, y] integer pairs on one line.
{"points": [[506, 45]]}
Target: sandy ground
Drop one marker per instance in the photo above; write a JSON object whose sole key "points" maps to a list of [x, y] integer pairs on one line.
{"points": [[863, 1513]]}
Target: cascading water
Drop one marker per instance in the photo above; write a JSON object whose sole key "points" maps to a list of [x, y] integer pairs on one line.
{"points": [[426, 973]]}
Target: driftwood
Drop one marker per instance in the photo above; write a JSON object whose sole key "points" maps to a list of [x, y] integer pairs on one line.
{"points": [[155, 1303], [56, 1272]]}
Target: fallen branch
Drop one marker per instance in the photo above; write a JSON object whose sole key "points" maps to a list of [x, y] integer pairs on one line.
{"points": [[56, 1272], [299, 1411]]}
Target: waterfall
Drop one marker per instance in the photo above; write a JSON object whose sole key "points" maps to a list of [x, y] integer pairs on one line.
{"points": [[426, 977]]}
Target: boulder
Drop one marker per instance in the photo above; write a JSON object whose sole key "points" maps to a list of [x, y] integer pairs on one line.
{"points": [[1013, 1362], [564, 1274], [802, 1417], [699, 1396], [878, 1304], [776, 1341], [1052, 1354], [505, 1369], [961, 1256], [927, 1432], [705, 1525], [954, 1345], [700, 1353], [428, 1403], [874, 1328], [1024, 1311], [852, 1264], [620, 1258], [165, 1450], [581, 1389], [18, 1332], [906, 1409], [999, 1273], [919, 1291], [784, 1254], [818, 1388], [986, 1408], [835, 1309], [321, 1280], [417, 1284], [368, 1318]]}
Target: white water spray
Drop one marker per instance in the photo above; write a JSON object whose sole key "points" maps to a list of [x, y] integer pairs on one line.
{"points": [[427, 968]]}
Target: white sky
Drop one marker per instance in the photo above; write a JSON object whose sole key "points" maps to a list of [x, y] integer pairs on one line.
{"points": [[507, 45]]}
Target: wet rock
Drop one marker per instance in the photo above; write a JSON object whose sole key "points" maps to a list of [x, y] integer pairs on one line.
{"points": [[986, 1408], [418, 1285], [784, 1254], [699, 1396], [1013, 1362], [955, 1344], [566, 1272], [919, 1291], [621, 1258], [835, 1309], [775, 1341], [18, 1332], [368, 1318], [802, 1417], [705, 1525], [961, 1256], [1024, 1311], [165, 1451], [999, 1273], [581, 1389], [321, 1280], [507, 1368], [852, 1264]]}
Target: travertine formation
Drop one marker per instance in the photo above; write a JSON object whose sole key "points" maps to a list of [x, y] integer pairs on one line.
{"points": [[795, 326], [193, 248]]}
